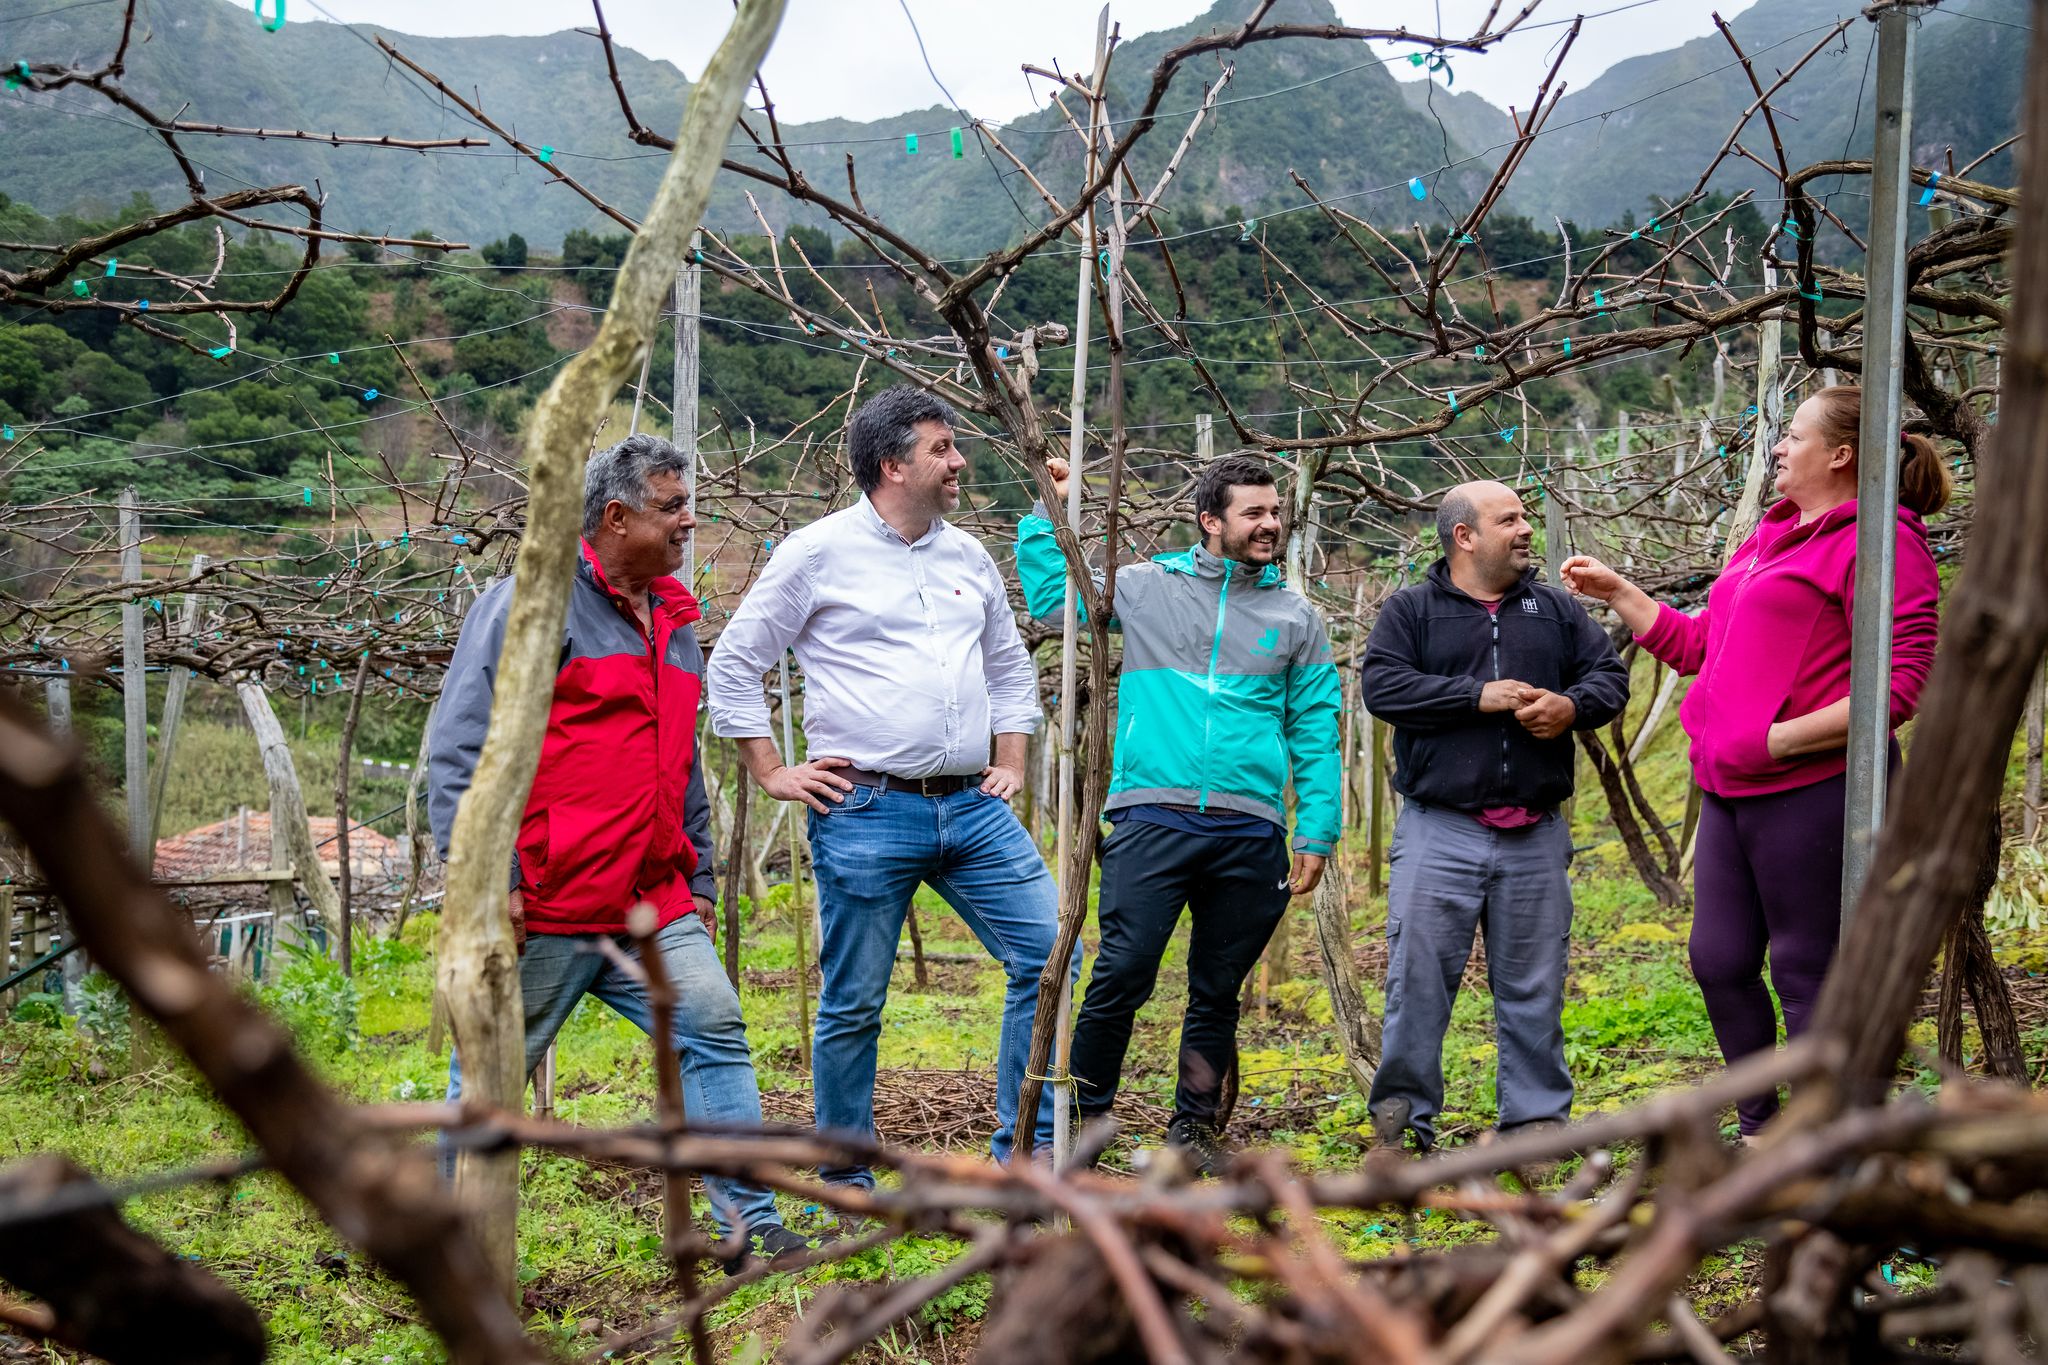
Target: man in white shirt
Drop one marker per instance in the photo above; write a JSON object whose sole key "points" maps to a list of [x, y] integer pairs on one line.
{"points": [[911, 661]]}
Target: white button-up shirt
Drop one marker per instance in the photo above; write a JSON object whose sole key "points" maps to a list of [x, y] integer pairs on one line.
{"points": [[910, 653]]}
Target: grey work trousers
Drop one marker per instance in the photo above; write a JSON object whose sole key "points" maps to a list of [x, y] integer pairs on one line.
{"points": [[1451, 875]]}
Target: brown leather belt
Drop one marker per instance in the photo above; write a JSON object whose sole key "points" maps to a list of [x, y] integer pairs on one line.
{"points": [[944, 785]]}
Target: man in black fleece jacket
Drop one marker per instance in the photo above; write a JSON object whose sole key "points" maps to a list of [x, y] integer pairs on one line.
{"points": [[1484, 672]]}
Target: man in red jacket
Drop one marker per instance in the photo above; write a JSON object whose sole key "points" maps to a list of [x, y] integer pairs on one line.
{"points": [[618, 813]]}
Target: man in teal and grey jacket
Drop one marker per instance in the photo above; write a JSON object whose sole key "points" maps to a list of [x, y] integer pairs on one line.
{"points": [[1227, 694]]}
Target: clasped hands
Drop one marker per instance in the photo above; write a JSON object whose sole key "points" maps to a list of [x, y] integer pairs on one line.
{"points": [[1543, 713]]}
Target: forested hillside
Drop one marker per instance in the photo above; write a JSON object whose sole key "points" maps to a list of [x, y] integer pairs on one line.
{"points": [[323, 388]]}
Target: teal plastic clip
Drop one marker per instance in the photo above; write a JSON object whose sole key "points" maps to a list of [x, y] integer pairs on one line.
{"points": [[1479, 352], [18, 76], [221, 352], [1435, 61], [334, 357], [547, 156], [1245, 229], [1452, 394], [271, 25], [81, 289], [113, 267], [1417, 188], [959, 145], [1507, 434], [1599, 301], [1567, 345], [309, 496], [910, 144], [1927, 195], [369, 395], [6, 433]]}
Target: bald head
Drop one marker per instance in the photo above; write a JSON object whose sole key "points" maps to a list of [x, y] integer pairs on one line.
{"points": [[1484, 534]]}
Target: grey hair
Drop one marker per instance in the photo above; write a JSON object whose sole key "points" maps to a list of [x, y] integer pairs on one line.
{"points": [[624, 473], [1454, 511], [885, 428]]}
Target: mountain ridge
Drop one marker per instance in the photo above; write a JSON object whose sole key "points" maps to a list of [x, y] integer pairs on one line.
{"points": [[1346, 126]]}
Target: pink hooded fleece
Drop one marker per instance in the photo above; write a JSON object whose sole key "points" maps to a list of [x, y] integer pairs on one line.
{"points": [[1773, 643]]}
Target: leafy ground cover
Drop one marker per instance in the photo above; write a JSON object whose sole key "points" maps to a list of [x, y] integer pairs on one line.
{"points": [[590, 1262]]}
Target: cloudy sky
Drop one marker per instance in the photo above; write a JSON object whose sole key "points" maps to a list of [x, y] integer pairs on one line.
{"points": [[859, 58]]}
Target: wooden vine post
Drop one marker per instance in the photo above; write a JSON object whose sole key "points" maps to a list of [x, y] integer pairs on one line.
{"points": [[134, 686], [479, 969], [291, 838], [174, 710], [1071, 873], [344, 877], [797, 907]]}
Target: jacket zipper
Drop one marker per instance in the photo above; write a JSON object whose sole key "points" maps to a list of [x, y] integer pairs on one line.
{"points": [[1209, 710], [1494, 617]]}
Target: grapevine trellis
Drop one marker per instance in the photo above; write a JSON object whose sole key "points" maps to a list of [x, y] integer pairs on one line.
{"points": [[1434, 367]]}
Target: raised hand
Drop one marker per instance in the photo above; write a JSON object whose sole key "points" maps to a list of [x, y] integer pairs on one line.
{"points": [[1588, 577]]}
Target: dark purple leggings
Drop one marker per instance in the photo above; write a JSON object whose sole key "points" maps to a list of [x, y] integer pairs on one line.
{"points": [[1767, 873]]}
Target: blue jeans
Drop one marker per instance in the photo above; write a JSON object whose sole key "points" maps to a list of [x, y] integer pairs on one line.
{"points": [[870, 853], [557, 970]]}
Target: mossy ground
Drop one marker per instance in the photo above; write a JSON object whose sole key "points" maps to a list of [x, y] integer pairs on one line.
{"points": [[589, 1246]]}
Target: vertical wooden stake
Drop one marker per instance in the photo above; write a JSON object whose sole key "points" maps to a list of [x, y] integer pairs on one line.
{"points": [[544, 1085], [798, 911], [2037, 702], [174, 710], [917, 968], [341, 776], [134, 685], [287, 930], [683, 435], [288, 828], [415, 842], [57, 702], [1375, 787], [1347, 767], [736, 862]]}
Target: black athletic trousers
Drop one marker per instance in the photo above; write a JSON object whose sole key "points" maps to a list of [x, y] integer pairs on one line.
{"points": [[1235, 889]]}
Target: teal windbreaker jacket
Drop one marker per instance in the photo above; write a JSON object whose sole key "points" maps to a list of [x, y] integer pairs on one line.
{"points": [[1227, 688]]}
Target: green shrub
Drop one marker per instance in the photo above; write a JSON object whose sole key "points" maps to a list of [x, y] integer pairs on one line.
{"points": [[314, 1001]]}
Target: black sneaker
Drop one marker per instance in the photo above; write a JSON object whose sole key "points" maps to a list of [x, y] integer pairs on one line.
{"points": [[1200, 1144], [771, 1244]]}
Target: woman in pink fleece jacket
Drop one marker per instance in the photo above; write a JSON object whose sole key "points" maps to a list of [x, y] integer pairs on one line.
{"points": [[1768, 716]]}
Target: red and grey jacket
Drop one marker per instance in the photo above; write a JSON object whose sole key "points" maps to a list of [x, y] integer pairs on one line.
{"points": [[617, 814]]}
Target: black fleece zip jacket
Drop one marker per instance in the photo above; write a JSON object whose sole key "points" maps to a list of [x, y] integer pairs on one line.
{"points": [[1434, 649]]}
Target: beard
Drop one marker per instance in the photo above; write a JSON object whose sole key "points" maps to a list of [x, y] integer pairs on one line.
{"points": [[1251, 547]]}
